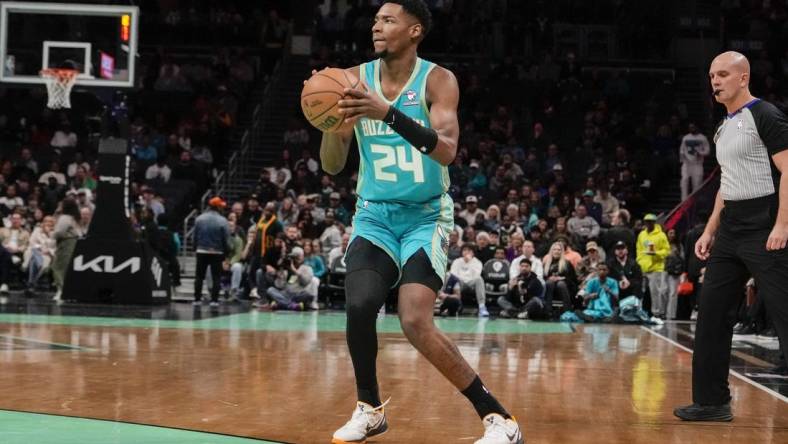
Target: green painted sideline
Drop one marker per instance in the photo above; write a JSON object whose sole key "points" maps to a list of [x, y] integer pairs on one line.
{"points": [[28, 428], [289, 321]]}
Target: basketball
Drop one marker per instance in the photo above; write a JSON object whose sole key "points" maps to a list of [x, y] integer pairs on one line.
{"points": [[320, 96]]}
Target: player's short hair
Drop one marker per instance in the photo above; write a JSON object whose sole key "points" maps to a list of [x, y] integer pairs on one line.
{"points": [[418, 9]]}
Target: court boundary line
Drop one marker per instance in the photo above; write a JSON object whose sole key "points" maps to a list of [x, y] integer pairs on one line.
{"points": [[732, 372], [142, 424], [37, 341]]}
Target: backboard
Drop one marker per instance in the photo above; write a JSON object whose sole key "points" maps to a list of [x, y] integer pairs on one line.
{"points": [[100, 41]]}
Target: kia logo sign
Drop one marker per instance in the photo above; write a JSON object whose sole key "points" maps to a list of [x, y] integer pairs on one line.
{"points": [[106, 264]]}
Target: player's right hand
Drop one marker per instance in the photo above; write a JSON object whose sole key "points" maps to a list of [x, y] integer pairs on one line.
{"points": [[703, 246]]}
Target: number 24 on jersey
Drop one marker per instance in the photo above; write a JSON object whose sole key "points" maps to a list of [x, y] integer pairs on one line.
{"points": [[397, 155]]}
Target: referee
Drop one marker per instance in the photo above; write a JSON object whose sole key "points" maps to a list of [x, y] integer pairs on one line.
{"points": [[748, 230]]}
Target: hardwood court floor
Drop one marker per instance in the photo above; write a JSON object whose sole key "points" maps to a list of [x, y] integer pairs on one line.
{"points": [[288, 377]]}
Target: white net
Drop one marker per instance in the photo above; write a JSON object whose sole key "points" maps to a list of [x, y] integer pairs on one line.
{"points": [[59, 83]]}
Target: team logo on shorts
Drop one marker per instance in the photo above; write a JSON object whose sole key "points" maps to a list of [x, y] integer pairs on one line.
{"points": [[444, 240], [411, 96]]}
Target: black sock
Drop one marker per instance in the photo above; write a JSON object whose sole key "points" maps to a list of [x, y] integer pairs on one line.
{"points": [[369, 395], [483, 401]]}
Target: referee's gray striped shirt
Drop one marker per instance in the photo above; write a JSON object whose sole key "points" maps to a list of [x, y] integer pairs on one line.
{"points": [[746, 140]]}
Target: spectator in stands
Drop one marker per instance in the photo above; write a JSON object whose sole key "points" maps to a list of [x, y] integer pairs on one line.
{"points": [[509, 227], [560, 229], [85, 198], [560, 277], [692, 152], [313, 258], [308, 161], [493, 219], [310, 205], [64, 137], [455, 247], [485, 250], [234, 260], [652, 250], [469, 271], [582, 227], [331, 235], [288, 212], [26, 164], [587, 269], [67, 231], [159, 171], [294, 286], [14, 241], [85, 216], [265, 190], [201, 153], [528, 253], [477, 183], [83, 180], [10, 201], [144, 151], [212, 240], [515, 246], [525, 297], [167, 244], [40, 253], [186, 168], [471, 210], [619, 232], [337, 253], [340, 213], [450, 296], [54, 172], [79, 161], [252, 213], [601, 293], [674, 271], [610, 205], [593, 208], [541, 243], [626, 271], [150, 201], [267, 229], [570, 254]]}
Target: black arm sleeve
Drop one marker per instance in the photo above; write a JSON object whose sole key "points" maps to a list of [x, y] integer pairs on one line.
{"points": [[422, 138], [772, 126]]}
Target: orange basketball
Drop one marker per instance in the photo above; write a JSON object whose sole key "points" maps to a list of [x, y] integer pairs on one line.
{"points": [[320, 96]]}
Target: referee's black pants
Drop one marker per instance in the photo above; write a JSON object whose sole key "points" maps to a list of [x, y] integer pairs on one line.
{"points": [[738, 253]]}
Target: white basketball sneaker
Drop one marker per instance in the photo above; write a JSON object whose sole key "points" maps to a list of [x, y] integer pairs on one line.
{"points": [[498, 430], [366, 422]]}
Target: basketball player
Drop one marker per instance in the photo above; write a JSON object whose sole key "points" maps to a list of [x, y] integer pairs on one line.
{"points": [[406, 127]]}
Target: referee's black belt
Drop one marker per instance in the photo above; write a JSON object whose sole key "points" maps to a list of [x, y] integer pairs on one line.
{"points": [[750, 215], [756, 203]]}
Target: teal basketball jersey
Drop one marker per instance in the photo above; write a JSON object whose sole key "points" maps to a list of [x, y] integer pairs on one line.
{"points": [[391, 169]]}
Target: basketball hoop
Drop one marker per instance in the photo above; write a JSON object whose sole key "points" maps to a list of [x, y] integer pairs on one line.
{"points": [[59, 83]]}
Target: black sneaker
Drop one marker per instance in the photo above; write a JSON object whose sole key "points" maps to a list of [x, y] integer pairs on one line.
{"points": [[697, 412], [748, 329]]}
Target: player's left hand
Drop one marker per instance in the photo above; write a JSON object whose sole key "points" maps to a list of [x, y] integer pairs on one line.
{"points": [[362, 103], [778, 238]]}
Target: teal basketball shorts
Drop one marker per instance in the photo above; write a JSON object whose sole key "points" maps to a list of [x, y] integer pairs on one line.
{"points": [[401, 229]]}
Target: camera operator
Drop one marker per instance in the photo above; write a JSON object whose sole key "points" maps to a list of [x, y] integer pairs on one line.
{"points": [[524, 300], [293, 287]]}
